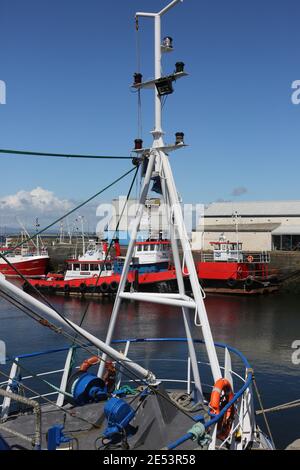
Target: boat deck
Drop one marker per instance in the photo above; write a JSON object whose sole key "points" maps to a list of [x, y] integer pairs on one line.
{"points": [[86, 424]]}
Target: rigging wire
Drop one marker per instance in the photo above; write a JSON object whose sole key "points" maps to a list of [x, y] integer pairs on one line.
{"points": [[115, 233], [110, 245], [35, 316], [139, 114], [71, 211], [40, 319], [132, 375], [129, 373], [139, 99], [62, 155], [42, 296], [70, 413], [261, 406]]}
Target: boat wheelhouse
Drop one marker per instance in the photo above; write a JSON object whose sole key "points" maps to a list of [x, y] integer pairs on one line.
{"points": [[149, 256], [152, 255], [227, 251], [77, 269]]}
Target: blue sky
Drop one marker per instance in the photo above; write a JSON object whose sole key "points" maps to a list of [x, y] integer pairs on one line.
{"points": [[68, 64]]}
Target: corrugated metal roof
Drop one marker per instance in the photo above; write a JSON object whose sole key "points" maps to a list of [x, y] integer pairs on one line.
{"points": [[267, 227], [253, 208]]}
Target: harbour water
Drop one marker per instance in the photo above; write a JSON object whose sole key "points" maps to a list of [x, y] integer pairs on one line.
{"points": [[263, 328]]}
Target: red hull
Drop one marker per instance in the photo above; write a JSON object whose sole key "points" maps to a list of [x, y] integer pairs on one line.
{"points": [[146, 278], [29, 268], [219, 270]]}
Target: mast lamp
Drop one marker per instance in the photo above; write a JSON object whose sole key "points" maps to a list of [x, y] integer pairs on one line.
{"points": [[164, 86], [167, 44], [179, 67]]}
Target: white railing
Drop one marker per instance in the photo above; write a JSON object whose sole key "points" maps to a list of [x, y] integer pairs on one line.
{"points": [[248, 258]]}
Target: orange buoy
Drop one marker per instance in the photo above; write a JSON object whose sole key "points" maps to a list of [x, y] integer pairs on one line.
{"points": [[221, 395], [91, 361]]}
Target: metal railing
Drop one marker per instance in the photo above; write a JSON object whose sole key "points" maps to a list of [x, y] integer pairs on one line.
{"points": [[37, 439], [248, 258]]}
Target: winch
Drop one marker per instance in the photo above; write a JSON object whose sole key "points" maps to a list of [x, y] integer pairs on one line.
{"points": [[86, 387], [118, 414]]}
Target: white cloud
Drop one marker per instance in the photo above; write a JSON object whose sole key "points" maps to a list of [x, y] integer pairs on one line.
{"points": [[37, 200]]}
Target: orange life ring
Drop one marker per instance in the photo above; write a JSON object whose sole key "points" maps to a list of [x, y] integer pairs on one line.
{"points": [[250, 258], [221, 395], [91, 361]]}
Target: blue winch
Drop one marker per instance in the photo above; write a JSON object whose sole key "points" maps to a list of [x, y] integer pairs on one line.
{"points": [[118, 414], [86, 388]]}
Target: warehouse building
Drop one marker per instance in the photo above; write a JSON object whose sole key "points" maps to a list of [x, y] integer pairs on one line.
{"points": [[122, 213], [259, 225]]}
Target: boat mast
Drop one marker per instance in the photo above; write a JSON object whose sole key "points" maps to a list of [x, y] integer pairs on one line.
{"points": [[158, 161], [37, 236]]}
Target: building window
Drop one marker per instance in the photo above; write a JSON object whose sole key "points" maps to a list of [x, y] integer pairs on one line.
{"points": [[286, 242]]}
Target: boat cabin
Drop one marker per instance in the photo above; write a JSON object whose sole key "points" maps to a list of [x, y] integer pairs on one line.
{"points": [[96, 250], [152, 251], [227, 251], [77, 269]]}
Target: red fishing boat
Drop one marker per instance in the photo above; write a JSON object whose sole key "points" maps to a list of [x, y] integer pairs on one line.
{"points": [[30, 262], [96, 273], [228, 269]]}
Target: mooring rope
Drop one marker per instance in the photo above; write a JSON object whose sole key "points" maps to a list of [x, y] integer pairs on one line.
{"points": [[282, 407], [261, 406]]}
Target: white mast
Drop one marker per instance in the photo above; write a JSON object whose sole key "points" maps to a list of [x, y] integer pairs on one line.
{"points": [[158, 160]]}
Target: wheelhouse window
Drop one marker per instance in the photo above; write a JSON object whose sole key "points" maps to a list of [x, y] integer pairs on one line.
{"points": [[84, 267], [94, 267], [76, 266]]}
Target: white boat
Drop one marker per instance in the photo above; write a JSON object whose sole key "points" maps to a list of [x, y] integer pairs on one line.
{"points": [[149, 256]]}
